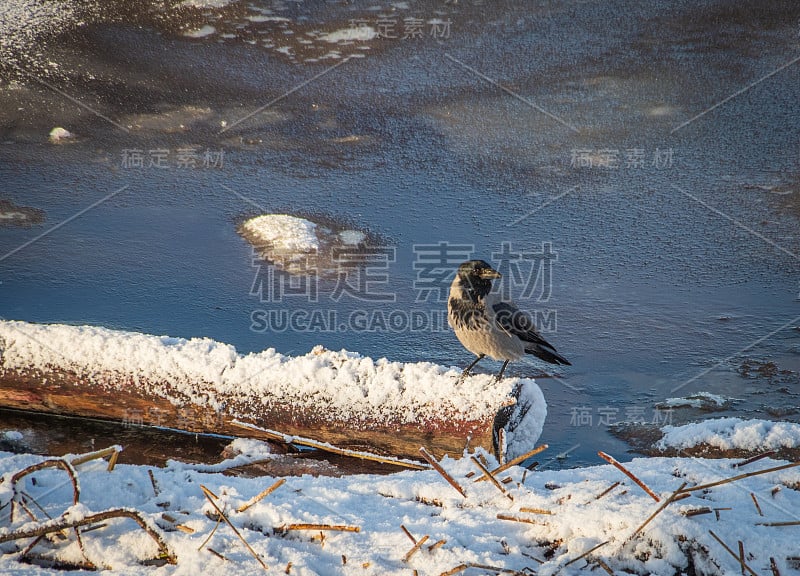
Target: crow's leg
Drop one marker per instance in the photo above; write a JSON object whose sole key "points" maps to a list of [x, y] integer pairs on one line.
{"points": [[503, 369], [465, 373]]}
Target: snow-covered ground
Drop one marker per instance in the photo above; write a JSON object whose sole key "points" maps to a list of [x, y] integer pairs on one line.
{"points": [[542, 522], [732, 433]]}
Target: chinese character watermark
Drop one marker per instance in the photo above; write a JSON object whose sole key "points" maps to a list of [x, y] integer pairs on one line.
{"points": [[164, 159], [625, 158]]}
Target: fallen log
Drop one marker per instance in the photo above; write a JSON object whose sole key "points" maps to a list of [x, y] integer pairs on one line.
{"points": [[200, 385]]}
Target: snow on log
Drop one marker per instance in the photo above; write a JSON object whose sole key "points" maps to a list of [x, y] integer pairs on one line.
{"points": [[201, 385]]}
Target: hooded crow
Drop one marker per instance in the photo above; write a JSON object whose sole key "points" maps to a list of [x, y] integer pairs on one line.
{"points": [[486, 325]]}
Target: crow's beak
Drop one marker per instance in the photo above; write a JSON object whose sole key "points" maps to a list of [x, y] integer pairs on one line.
{"points": [[490, 274]]}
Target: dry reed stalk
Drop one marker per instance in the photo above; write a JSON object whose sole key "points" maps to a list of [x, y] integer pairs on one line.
{"points": [[584, 555], [51, 527], [604, 566], [31, 546], [217, 554], [740, 477], [436, 466], [658, 510], [606, 491], [754, 459], [515, 461], [331, 527], [501, 446], [755, 501], [512, 518], [697, 511], [485, 567], [51, 462], [774, 567], [261, 495], [436, 545], [611, 460], [741, 556], [93, 528], [429, 501], [410, 536], [27, 497], [300, 441], [210, 534], [24, 506], [791, 523], [532, 557], [535, 510], [112, 451], [211, 497], [456, 570], [732, 553], [487, 473], [112, 462], [415, 548], [153, 481]]}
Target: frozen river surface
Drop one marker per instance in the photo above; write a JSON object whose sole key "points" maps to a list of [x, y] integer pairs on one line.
{"points": [[631, 168]]}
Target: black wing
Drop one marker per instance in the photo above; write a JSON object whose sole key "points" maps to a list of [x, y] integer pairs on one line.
{"points": [[518, 323]]}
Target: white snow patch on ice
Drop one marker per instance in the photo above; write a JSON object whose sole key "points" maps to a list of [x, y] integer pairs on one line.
{"points": [[202, 32], [58, 134], [352, 237], [699, 400], [12, 435], [284, 233], [206, 3], [353, 34], [267, 18], [731, 433]]}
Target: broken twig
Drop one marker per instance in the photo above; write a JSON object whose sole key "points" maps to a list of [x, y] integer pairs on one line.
{"points": [[58, 526], [261, 495], [515, 461], [309, 443], [732, 553], [415, 548], [488, 474], [611, 460], [211, 497], [334, 527], [658, 510], [740, 477], [755, 458], [438, 467], [52, 462]]}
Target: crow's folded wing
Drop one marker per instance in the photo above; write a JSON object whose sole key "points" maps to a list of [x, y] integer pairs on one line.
{"points": [[516, 322]]}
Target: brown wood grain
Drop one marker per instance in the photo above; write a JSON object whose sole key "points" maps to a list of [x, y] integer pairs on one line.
{"points": [[121, 398]]}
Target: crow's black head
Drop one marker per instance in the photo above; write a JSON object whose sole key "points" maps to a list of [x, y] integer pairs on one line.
{"points": [[476, 276], [477, 269]]}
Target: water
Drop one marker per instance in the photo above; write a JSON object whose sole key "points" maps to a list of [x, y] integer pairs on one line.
{"points": [[676, 249]]}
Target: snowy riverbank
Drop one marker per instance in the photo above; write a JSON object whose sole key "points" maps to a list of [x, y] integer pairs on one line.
{"points": [[544, 522]]}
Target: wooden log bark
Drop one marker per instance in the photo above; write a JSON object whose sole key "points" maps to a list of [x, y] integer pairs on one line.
{"points": [[109, 396]]}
